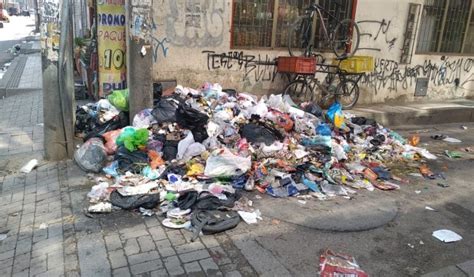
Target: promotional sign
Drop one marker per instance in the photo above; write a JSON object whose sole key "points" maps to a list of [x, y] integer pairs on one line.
{"points": [[111, 45]]}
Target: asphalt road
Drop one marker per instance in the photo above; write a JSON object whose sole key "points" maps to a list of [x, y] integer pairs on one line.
{"points": [[402, 247], [14, 33]]}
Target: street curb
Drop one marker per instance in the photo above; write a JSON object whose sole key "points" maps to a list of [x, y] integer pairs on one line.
{"points": [[17, 91], [419, 117], [12, 77]]}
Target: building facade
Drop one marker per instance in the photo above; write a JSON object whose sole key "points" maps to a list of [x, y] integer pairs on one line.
{"points": [[423, 49]]}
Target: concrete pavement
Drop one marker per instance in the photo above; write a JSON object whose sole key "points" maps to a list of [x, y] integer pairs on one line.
{"points": [[24, 72], [49, 235], [459, 110]]}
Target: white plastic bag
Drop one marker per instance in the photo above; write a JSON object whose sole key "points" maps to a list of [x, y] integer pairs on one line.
{"points": [[223, 163], [184, 144], [143, 119], [99, 192], [260, 109], [194, 149]]}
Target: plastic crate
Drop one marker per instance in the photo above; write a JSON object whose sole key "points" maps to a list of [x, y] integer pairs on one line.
{"points": [[298, 65], [357, 64]]}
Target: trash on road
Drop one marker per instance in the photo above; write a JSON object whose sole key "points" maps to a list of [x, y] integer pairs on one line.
{"points": [[250, 217], [453, 154], [414, 140], [198, 150], [438, 137], [102, 207], [429, 208], [28, 167], [333, 264], [452, 140], [445, 235]]}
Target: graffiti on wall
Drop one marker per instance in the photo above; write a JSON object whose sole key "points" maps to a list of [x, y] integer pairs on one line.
{"points": [[160, 48], [195, 23], [390, 75], [380, 33], [258, 68]]}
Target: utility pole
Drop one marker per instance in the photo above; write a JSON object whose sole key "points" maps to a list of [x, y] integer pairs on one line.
{"points": [[37, 16], [58, 87], [139, 57]]}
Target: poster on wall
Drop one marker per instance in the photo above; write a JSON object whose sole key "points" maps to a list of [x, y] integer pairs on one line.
{"points": [[111, 45]]}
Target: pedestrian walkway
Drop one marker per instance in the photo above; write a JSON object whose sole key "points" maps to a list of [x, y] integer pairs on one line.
{"points": [[31, 78], [459, 110], [48, 233], [21, 130], [24, 73]]}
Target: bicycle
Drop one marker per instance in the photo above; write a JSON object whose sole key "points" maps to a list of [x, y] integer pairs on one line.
{"points": [[338, 85], [344, 38]]}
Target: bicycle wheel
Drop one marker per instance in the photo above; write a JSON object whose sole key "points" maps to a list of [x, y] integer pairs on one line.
{"points": [[299, 34], [299, 91], [345, 38], [347, 93]]}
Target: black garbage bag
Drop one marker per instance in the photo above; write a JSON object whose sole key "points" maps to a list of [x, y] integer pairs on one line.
{"points": [[91, 156], [230, 91], [170, 150], [147, 201], [165, 110], [314, 109], [119, 121], [212, 222], [190, 118], [207, 201], [187, 200], [157, 93], [84, 121], [174, 168], [360, 120], [200, 134], [258, 133], [130, 161]]}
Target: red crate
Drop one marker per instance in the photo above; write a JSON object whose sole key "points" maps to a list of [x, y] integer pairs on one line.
{"points": [[298, 65]]}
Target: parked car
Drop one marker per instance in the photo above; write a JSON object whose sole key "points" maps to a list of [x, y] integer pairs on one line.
{"points": [[25, 13], [12, 11], [4, 16]]}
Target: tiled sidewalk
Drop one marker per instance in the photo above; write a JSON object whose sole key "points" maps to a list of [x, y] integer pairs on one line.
{"points": [[49, 235], [31, 77], [21, 127]]}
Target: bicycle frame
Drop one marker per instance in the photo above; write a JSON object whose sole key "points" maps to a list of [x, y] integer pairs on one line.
{"points": [[320, 11]]}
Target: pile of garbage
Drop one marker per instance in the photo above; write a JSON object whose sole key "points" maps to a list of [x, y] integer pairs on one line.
{"points": [[192, 155]]}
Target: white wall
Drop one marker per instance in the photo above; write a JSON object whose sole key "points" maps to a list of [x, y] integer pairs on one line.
{"points": [[179, 50]]}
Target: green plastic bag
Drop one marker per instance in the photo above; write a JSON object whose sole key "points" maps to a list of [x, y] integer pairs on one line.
{"points": [[119, 98], [133, 139]]}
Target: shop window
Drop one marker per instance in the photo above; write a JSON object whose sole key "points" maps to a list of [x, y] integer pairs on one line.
{"points": [[446, 26], [265, 23]]}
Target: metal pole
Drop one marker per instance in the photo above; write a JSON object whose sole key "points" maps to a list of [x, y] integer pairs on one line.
{"points": [[37, 16]]}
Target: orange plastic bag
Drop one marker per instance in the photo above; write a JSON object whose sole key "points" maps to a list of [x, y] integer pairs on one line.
{"points": [[155, 159], [426, 171], [110, 137], [414, 140]]}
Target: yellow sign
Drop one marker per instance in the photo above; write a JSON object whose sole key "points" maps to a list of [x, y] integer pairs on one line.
{"points": [[111, 45]]}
